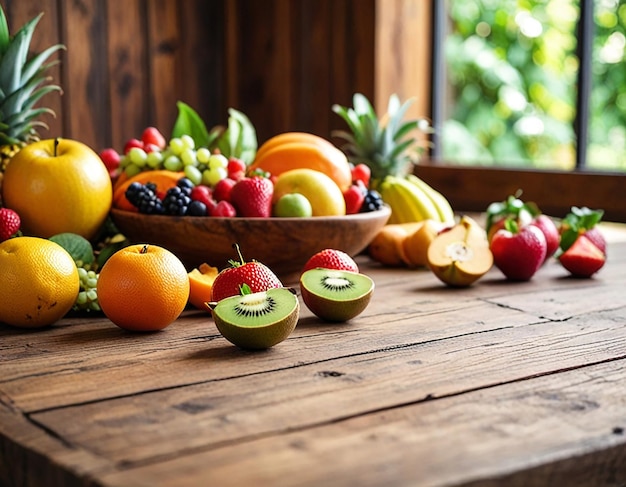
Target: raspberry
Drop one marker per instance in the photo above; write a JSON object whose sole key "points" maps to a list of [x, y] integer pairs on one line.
{"points": [[9, 223]]}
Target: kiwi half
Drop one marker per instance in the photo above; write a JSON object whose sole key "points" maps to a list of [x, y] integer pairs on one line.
{"points": [[257, 320], [335, 295]]}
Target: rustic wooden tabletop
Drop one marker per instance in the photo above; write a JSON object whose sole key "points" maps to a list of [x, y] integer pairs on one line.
{"points": [[499, 384]]}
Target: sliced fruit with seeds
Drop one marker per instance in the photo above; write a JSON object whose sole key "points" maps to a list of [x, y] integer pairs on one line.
{"points": [[259, 320], [336, 295]]}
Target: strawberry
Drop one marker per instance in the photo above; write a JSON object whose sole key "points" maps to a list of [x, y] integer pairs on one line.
{"points": [[236, 168], [243, 277], [583, 258], [582, 246], [252, 197], [152, 136], [354, 197], [9, 223], [518, 251], [331, 259]]}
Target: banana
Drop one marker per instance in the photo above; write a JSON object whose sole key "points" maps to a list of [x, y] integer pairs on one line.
{"points": [[446, 213], [399, 211], [416, 200]]}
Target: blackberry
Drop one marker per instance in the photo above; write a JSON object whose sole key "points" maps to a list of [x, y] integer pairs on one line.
{"points": [[144, 198], [176, 201], [186, 185], [372, 202]]}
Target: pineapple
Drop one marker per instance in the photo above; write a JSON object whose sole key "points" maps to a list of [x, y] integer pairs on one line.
{"points": [[388, 147], [22, 84]]}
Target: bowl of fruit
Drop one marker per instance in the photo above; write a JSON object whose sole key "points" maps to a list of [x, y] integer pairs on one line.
{"points": [[276, 212]]}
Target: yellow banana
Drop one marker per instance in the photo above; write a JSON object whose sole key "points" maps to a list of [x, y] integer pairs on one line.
{"points": [[399, 210], [417, 200], [446, 213]]}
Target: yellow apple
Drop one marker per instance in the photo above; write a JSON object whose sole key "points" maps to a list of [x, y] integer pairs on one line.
{"points": [[322, 192], [57, 186]]}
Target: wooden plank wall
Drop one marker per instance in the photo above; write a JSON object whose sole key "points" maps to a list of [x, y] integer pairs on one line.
{"points": [[127, 63]]}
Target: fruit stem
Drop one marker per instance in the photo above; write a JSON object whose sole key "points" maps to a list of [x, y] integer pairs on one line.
{"points": [[57, 140], [144, 249], [236, 247]]}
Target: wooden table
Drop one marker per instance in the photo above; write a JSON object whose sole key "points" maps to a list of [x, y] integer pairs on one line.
{"points": [[503, 383]]}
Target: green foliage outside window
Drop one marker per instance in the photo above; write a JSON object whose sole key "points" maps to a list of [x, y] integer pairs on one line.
{"points": [[512, 72]]}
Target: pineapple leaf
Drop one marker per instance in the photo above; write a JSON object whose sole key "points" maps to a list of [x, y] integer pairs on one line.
{"points": [[32, 67], [17, 53], [362, 106], [5, 37]]}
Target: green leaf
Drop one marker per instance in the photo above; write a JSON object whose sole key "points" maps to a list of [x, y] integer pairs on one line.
{"points": [[5, 37], [239, 139], [189, 123], [77, 246]]}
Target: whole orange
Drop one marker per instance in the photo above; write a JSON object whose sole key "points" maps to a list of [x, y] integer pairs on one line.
{"points": [[143, 287], [58, 186], [39, 282]]}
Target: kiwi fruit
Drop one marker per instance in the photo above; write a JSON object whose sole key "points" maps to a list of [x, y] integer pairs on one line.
{"points": [[257, 320], [335, 295]]}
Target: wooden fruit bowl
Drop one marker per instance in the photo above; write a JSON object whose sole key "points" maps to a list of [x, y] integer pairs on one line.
{"points": [[283, 244]]}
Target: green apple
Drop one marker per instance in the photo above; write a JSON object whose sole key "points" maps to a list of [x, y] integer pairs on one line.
{"points": [[293, 204]]}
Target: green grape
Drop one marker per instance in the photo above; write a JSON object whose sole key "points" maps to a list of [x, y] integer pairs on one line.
{"points": [[155, 159], [87, 299], [138, 156], [132, 170], [212, 176], [176, 145], [188, 156], [173, 163], [188, 141], [203, 154], [124, 161], [218, 160], [194, 174]]}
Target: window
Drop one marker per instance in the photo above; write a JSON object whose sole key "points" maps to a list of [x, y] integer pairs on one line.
{"points": [[530, 95]]}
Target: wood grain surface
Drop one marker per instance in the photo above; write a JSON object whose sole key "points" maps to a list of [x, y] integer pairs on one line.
{"points": [[499, 384]]}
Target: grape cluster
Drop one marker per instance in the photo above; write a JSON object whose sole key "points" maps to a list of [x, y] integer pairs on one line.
{"points": [[87, 299], [199, 165]]}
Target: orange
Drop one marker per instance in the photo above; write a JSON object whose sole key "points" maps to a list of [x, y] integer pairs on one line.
{"points": [[286, 137], [39, 282], [201, 284], [143, 287], [319, 156], [163, 179]]}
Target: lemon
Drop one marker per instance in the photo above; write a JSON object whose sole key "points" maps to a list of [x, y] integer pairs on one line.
{"points": [[322, 192], [39, 282]]}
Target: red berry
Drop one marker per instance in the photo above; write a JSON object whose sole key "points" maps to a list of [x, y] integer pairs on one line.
{"points": [[354, 198], [9, 223], [362, 172], [221, 191], [256, 276], [151, 135], [151, 148], [331, 259], [223, 209], [252, 197], [111, 160], [132, 143], [583, 258], [236, 169]]}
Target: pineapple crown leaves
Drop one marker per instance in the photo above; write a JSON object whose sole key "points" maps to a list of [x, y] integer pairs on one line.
{"points": [[384, 145], [21, 79]]}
